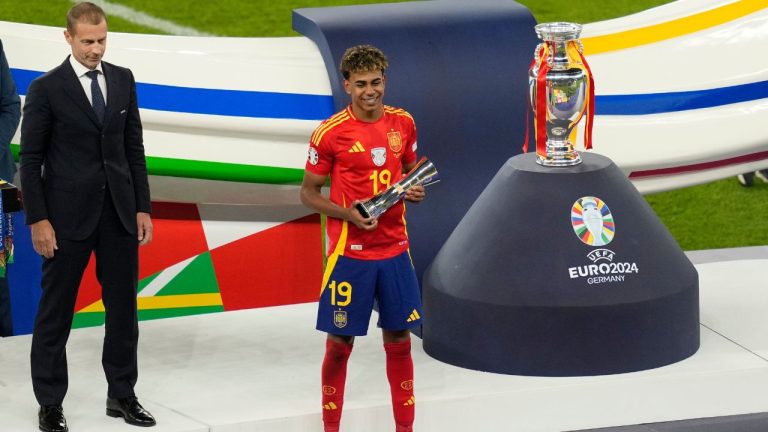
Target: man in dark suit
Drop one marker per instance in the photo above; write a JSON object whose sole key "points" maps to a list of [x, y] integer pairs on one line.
{"points": [[10, 113], [85, 189]]}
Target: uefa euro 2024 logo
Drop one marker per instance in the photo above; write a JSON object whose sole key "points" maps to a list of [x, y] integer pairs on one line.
{"points": [[592, 221], [593, 224]]}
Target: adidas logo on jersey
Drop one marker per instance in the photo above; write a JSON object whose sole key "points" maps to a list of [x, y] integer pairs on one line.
{"points": [[414, 316], [330, 406], [357, 148], [411, 401]]}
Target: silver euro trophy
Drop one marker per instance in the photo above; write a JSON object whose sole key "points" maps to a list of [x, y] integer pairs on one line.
{"points": [[424, 173], [561, 92]]}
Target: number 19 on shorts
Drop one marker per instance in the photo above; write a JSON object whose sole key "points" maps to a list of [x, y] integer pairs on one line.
{"points": [[341, 293]]}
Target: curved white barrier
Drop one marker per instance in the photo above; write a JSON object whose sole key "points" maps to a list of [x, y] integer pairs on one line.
{"points": [[689, 88], [227, 119]]}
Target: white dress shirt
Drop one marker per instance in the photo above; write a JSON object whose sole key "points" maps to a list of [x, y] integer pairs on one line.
{"points": [[85, 81]]}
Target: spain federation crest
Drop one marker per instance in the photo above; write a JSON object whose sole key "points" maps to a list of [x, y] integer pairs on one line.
{"points": [[395, 141], [379, 155], [340, 318]]}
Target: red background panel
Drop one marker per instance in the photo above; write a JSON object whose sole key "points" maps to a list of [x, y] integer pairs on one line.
{"points": [[278, 266], [177, 235]]}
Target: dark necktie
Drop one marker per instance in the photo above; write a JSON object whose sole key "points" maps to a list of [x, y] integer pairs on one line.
{"points": [[99, 107]]}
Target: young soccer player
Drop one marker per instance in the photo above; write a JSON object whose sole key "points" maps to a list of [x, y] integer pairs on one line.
{"points": [[364, 149]]}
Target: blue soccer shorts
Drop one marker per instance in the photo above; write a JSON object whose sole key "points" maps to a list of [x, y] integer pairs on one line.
{"points": [[351, 286]]}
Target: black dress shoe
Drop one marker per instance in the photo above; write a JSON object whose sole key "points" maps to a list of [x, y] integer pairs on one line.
{"points": [[51, 419], [131, 410]]}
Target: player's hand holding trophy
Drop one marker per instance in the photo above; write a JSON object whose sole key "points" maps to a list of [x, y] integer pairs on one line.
{"points": [[424, 174]]}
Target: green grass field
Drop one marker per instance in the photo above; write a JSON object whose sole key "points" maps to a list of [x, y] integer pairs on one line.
{"points": [[709, 216], [258, 18]]}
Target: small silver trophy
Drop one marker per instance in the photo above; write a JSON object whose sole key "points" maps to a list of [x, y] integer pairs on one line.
{"points": [[424, 173], [561, 91]]}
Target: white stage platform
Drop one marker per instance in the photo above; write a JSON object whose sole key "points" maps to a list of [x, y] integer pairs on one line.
{"points": [[258, 370]]}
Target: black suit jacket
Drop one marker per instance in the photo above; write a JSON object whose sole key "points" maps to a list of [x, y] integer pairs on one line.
{"points": [[68, 159]]}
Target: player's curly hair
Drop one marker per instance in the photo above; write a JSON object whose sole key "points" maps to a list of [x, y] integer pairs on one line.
{"points": [[363, 58]]}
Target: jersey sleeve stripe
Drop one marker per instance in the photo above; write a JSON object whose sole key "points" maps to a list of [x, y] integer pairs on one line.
{"points": [[328, 127], [324, 126], [397, 111]]}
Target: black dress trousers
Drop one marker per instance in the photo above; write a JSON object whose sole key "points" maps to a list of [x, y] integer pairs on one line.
{"points": [[116, 253]]}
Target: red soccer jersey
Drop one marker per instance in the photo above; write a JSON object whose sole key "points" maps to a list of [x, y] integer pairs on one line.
{"points": [[364, 159]]}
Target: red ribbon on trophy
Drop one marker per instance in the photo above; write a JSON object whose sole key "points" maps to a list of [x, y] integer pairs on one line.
{"points": [[590, 103], [557, 55], [541, 101]]}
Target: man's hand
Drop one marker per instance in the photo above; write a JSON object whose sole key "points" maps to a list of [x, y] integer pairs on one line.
{"points": [[354, 216], [415, 194], [44, 238], [144, 225]]}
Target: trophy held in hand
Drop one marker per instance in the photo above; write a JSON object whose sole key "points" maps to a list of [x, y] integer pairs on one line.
{"points": [[424, 173]]}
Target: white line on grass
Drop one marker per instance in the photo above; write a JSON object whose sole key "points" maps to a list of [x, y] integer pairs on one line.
{"points": [[147, 20]]}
